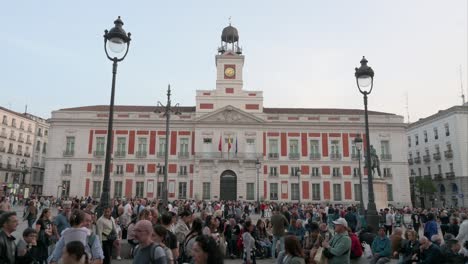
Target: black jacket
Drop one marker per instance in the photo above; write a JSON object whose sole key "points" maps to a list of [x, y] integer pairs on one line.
{"points": [[7, 248]]}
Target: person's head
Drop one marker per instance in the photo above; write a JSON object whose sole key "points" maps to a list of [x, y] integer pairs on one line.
{"points": [[186, 216], [30, 235], [232, 222], [381, 231], [249, 227], [323, 227], [436, 239], [292, 246], [430, 217], [66, 208], [89, 215], [45, 214], [205, 250], [260, 224], [73, 252], [159, 233], [145, 214], [197, 226], [77, 218], [398, 231], [166, 219], [453, 245], [411, 235], [424, 243], [340, 225], [143, 231], [8, 221]]}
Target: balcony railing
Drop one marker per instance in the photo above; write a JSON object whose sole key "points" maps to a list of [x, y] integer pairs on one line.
{"points": [[28, 141], [2, 149], [428, 177], [273, 155], [140, 173], [427, 158], [294, 156], [183, 155], [12, 137], [336, 174], [417, 160], [19, 153], [21, 127], [388, 175], [436, 156], [141, 154], [438, 176], [229, 156], [3, 135], [119, 154], [450, 175], [27, 154], [182, 173], [315, 174], [273, 174], [335, 156], [315, 156], [386, 157], [354, 156], [68, 153], [66, 172], [97, 173], [10, 151], [410, 161], [161, 154], [448, 154], [98, 153], [20, 139]]}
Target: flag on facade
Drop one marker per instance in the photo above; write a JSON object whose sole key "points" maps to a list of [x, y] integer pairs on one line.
{"points": [[229, 144], [220, 146]]}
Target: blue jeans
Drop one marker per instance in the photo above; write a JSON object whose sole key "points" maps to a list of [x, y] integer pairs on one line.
{"points": [[31, 222], [275, 240]]}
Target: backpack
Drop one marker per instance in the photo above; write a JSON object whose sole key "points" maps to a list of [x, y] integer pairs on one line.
{"points": [[152, 250]]}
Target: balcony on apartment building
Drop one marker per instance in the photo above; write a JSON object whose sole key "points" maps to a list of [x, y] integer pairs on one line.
{"points": [[2, 149], [21, 139], [3, 135], [97, 173], [99, 153], [386, 157], [417, 160], [427, 158], [66, 172], [315, 174], [229, 155], [335, 156], [19, 152], [161, 154], [12, 137], [10, 151], [273, 156], [273, 174], [354, 156], [410, 161], [28, 141], [315, 156], [436, 156], [388, 175], [141, 154], [294, 156], [182, 173], [438, 176], [120, 154], [428, 177], [183, 155], [450, 175], [448, 154], [336, 174], [68, 153], [140, 173]]}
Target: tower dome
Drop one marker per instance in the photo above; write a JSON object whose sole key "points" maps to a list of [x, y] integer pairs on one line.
{"points": [[230, 34]]}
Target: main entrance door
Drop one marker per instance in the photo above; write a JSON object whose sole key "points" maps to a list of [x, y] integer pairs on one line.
{"points": [[228, 186]]}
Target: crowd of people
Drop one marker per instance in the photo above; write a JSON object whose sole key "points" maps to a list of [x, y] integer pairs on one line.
{"points": [[188, 231]]}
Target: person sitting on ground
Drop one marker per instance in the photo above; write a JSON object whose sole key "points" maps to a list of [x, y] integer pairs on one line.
{"points": [[339, 246], [430, 252], [381, 248], [410, 246], [396, 240], [450, 252]]}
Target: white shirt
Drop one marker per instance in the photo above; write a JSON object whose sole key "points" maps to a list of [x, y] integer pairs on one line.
{"points": [[389, 219]]}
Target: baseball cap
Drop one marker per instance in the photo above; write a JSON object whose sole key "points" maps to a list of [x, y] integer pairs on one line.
{"points": [[341, 221]]}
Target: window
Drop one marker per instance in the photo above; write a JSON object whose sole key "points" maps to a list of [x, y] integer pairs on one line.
{"points": [[294, 191], [335, 147], [293, 149], [139, 187], [451, 167], [38, 146], [436, 133], [141, 170], [385, 150], [184, 143], [336, 172], [387, 172], [439, 168], [142, 146], [46, 132], [389, 192], [97, 169], [66, 190], [44, 148], [416, 139], [70, 145], [412, 172], [250, 191], [295, 171], [273, 148], [357, 192], [182, 190], [273, 171], [316, 191], [67, 169], [355, 172], [409, 142], [207, 140], [119, 169], [428, 170], [162, 169], [183, 170], [337, 192], [447, 130], [249, 141], [29, 128], [315, 171], [273, 191], [162, 146], [13, 123], [419, 172], [121, 145], [100, 142], [117, 189], [425, 136], [206, 191], [96, 189], [5, 120], [314, 149]]}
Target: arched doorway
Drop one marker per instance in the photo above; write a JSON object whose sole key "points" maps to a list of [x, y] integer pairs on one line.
{"points": [[228, 186]]}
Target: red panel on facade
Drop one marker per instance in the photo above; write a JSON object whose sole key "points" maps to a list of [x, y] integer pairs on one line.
{"points": [[161, 133], [366, 173], [293, 118], [229, 90], [284, 169], [184, 133], [90, 143], [87, 187], [284, 145], [326, 190], [264, 144], [191, 189], [304, 170], [273, 134], [304, 144], [293, 134], [121, 132], [89, 167], [325, 170], [313, 118], [252, 106], [284, 192], [172, 168], [123, 115], [151, 168], [346, 170], [265, 169], [193, 142], [364, 144], [206, 93], [191, 169], [265, 191], [100, 132], [325, 144], [252, 94], [314, 135], [351, 135], [152, 146], [130, 167], [206, 106], [305, 190], [347, 190], [128, 188], [102, 115], [171, 194], [131, 142], [345, 144], [334, 135], [142, 132], [173, 143]]}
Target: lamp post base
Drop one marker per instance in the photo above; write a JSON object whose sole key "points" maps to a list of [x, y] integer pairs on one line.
{"points": [[372, 216]]}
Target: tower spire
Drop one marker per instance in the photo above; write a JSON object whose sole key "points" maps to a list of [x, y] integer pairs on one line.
{"points": [[461, 87]]}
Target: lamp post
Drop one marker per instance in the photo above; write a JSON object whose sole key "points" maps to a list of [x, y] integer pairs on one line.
{"points": [[167, 110], [299, 187], [24, 171], [116, 41], [158, 195], [365, 82], [257, 166], [358, 144]]}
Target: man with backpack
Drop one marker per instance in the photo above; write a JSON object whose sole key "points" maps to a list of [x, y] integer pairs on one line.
{"points": [[147, 251]]}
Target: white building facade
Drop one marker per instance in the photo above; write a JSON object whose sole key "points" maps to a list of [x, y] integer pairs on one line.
{"points": [[438, 152], [214, 147]]}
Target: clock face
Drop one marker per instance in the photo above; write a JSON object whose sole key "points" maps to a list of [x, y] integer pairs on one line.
{"points": [[229, 72]]}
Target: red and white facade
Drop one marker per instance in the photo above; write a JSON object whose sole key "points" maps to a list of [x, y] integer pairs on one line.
{"points": [[214, 146]]}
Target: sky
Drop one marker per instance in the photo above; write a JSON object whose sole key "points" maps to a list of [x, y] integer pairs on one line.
{"points": [[299, 53]]}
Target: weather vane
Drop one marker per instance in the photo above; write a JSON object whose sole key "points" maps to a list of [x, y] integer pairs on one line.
{"points": [[229, 20]]}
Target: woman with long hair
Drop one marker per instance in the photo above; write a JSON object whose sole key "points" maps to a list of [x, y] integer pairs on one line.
{"points": [[206, 251], [159, 237], [262, 236], [249, 243], [30, 213], [195, 231], [74, 253], [44, 231], [292, 253]]}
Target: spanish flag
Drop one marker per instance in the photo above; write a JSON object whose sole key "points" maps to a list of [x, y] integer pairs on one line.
{"points": [[229, 144]]}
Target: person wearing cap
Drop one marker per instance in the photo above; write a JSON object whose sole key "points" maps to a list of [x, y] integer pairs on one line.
{"points": [[381, 248], [450, 252], [340, 245]]}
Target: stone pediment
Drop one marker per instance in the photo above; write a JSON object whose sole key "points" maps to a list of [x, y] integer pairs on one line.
{"points": [[230, 114]]}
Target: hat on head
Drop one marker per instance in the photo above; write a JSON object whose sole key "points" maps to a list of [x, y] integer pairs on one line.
{"points": [[341, 221]]}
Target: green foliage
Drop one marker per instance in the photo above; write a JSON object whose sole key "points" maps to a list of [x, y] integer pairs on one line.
{"points": [[426, 186]]}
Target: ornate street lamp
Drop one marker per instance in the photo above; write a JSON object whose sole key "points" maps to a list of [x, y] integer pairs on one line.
{"points": [[358, 144], [365, 82], [257, 166], [299, 187], [116, 41]]}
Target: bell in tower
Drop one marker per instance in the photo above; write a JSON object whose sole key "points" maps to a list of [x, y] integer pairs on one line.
{"points": [[230, 40]]}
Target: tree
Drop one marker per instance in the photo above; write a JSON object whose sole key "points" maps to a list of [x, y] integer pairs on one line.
{"points": [[425, 186]]}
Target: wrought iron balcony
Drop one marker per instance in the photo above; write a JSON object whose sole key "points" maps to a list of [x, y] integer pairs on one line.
{"points": [[140, 173], [427, 158], [184, 155], [335, 156], [97, 173], [336, 174], [28, 141], [66, 172], [161, 154], [120, 154], [2, 149], [315, 156], [12, 137], [388, 175], [10, 151], [438, 176], [19, 153], [436, 156], [450, 175], [99, 153], [273, 174], [386, 157], [417, 160], [27, 154], [410, 161], [294, 156], [3, 135], [448, 154], [354, 156], [21, 139], [229, 156], [68, 153], [141, 154], [182, 173], [315, 174], [273, 155]]}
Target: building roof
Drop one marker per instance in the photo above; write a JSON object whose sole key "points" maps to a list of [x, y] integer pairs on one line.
{"points": [[15, 113], [439, 114], [189, 109]]}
